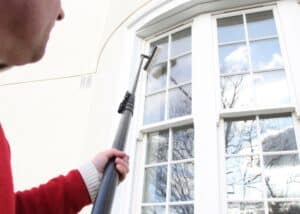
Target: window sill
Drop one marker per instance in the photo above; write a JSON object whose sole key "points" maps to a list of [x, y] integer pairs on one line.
{"points": [[181, 121], [260, 111]]}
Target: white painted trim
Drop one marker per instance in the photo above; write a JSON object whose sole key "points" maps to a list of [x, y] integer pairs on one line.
{"points": [[258, 111], [180, 121], [163, 15], [288, 15]]}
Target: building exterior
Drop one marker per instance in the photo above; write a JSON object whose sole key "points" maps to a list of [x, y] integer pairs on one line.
{"points": [[216, 123]]}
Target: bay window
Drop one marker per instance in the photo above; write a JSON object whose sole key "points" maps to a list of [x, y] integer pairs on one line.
{"points": [[231, 112]]}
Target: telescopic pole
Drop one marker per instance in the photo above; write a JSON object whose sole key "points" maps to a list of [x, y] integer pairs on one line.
{"points": [[110, 179]]}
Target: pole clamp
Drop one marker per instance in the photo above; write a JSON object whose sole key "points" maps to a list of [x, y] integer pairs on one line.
{"points": [[127, 103]]}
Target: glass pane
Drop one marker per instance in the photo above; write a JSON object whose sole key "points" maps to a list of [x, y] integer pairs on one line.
{"points": [[183, 143], [154, 108], [231, 29], [181, 42], [155, 184], [236, 91], [182, 209], [278, 134], [267, 83], [153, 210], [249, 208], [182, 182], [157, 150], [282, 176], [156, 78], [241, 137], [266, 54], [233, 58], [162, 54], [261, 25], [284, 207], [181, 70], [244, 179], [180, 101]]}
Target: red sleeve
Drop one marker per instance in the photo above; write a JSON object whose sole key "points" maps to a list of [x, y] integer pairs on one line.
{"points": [[62, 195]]}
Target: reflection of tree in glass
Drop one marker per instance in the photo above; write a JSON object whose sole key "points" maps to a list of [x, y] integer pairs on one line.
{"points": [[179, 102], [183, 143], [278, 134], [155, 184], [243, 177], [284, 208], [274, 163], [233, 84], [157, 150], [240, 135], [182, 184], [184, 209]]}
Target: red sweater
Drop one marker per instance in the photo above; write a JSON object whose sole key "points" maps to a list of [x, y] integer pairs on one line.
{"points": [[62, 195]]}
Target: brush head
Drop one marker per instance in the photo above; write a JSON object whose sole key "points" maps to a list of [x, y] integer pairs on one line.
{"points": [[154, 66]]}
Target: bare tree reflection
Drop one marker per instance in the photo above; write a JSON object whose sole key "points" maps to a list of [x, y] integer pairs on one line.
{"points": [[184, 209], [284, 208], [234, 85], [155, 184], [183, 143]]}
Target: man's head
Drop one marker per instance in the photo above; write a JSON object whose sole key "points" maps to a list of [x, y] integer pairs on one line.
{"points": [[25, 26]]}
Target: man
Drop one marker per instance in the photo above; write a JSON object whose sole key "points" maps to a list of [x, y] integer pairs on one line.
{"points": [[25, 27]]}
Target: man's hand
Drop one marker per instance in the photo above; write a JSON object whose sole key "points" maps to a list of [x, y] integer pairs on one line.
{"points": [[121, 161]]}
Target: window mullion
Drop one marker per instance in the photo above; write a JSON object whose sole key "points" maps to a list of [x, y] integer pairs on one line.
{"points": [[249, 60], [168, 81], [264, 188], [169, 171]]}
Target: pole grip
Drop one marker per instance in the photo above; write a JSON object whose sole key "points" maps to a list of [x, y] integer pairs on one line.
{"points": [[107, 189]]}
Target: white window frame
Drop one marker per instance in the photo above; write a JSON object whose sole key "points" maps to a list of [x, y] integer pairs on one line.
{"points": [[236, 113], [166, 124], [229, 113], [212, 113]]}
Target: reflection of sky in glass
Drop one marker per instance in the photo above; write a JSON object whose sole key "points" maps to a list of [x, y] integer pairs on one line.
{"points": [[153, 210], [282, 176], [155, 184], [182, 209], [266, 54], [278, 134], [233, 58], [231, 29], [180, 101], [268, 83], [182, 182], [183, 143], [157, 150], [249, 208], [261, 25], [241, 137], [181, 42], [181, 70], [162, 54], [244, 178], [156, 80], [154, 108], [236, 91]]}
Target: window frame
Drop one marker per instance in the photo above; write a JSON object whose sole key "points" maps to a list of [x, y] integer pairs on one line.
{"points": [[193, 119], [167, 122], [225, 114], [229, 113]]}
